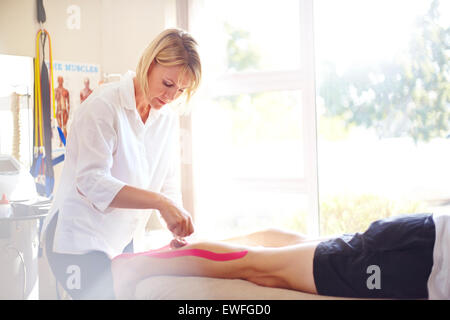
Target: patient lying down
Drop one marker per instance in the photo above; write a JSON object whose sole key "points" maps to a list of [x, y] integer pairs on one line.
{"points": [[372, 264]]}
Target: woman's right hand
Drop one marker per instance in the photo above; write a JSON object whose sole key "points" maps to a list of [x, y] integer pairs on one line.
{"points": [[178, 220]]}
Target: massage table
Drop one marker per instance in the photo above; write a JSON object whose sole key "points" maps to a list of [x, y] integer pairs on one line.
{"points": [[203, 288]]}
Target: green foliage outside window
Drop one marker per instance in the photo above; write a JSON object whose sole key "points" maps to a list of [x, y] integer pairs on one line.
{"points": [[352, 213], [408, 96]]}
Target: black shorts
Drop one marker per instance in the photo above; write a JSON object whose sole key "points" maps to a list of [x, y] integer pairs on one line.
{"points": [[391, 259], [83, 276]]}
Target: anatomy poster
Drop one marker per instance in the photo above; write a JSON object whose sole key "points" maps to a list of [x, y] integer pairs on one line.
{"points": [[72, 83]]}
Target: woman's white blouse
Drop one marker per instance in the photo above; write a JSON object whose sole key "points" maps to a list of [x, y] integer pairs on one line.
{"points": [[108, 147]]}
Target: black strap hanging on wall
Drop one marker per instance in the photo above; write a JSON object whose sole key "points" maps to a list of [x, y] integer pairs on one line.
{"points": [[40, 11], [47, 189], [42, 166]]}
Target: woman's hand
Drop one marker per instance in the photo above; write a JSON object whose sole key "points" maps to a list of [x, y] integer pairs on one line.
{"points": [[178, 220], [177, 243]]}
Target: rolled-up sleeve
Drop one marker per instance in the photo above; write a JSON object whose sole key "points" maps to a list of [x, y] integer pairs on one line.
{"points": [[97, 139]]}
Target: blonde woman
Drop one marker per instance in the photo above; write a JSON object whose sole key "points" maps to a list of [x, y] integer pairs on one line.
{"points": [[120, 162]]}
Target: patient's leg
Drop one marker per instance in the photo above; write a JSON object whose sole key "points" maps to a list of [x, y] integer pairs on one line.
{"points": [[286, 267], [273, 237], [269, 238]]}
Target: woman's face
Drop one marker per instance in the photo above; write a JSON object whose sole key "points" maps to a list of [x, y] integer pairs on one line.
{"points": [[164, 85]]}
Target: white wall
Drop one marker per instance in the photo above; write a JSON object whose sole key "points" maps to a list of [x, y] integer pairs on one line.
{"points": [[127, 27], [113, 33]]}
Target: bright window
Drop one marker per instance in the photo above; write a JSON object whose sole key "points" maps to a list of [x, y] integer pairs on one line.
{"points": [[383, 109], [250, 130], [249, 162], [378, 74], [251, 35]]}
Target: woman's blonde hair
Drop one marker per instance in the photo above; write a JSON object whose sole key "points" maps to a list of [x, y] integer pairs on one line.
{"points": [[172, 47]]}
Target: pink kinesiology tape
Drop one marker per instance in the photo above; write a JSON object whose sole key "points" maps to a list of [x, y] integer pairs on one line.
{"points": [[187, 252]]}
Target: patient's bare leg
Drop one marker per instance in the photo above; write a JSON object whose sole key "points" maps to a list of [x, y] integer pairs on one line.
{"points": [[272, 237], [288, 267]]}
